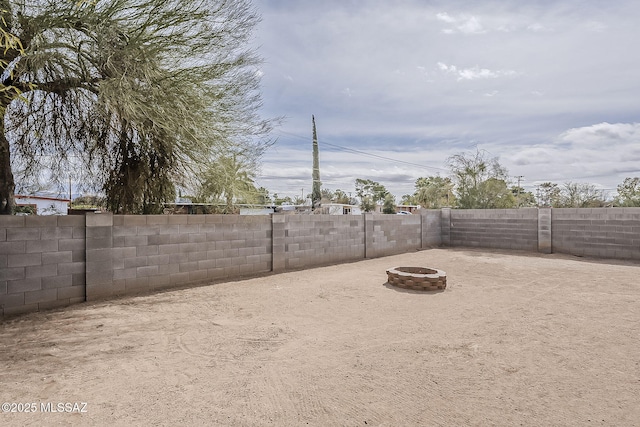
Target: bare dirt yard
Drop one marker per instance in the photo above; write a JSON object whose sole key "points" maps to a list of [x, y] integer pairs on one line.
{"points": [[515, 339]]}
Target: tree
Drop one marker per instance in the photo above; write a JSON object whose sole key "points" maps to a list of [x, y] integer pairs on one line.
{"points": [[340, 196], [229, 178], [389, 205], [408, 199], [629, 193], [370, 193], [549, 195], [433, 192], [367, 204], [523, 198], [326, 194], [263, 197], [142, 93], [480, 182], [581, 195]]}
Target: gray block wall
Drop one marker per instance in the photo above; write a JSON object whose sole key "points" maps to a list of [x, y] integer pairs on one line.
{"points": [[495, 228], [42, 262], [54, 261], [431, 227], [153, 252], [602, 232], [392, 234], [312, 240], [544, 230]]}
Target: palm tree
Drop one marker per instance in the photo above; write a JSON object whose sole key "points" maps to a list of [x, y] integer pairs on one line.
{"points": [[230, 178]]}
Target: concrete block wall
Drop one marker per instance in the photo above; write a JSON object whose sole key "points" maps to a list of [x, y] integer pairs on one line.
{"points": [[392, 234], [431, 228], [42, 262], [495, 228], [54, 261], [311, 240], [160, 251], [599, 232]]}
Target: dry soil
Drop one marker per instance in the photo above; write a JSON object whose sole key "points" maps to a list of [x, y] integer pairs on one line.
{"points": [[515, 339]]}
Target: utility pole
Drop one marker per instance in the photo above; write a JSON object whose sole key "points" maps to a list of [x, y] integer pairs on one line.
{"points": [[518, 194], [315, 192]]}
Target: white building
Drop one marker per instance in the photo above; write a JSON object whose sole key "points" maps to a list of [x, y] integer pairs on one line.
{"points": [[44, 205], [340, 209]]}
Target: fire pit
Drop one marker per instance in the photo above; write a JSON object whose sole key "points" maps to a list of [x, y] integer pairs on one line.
{"points": [[418, 278]]}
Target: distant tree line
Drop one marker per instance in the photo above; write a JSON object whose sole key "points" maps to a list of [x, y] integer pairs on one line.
{"points": [[480, 182], [476, 181]]}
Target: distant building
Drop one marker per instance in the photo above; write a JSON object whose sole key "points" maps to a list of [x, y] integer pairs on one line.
{"points": [[44, 205], [340, 209], [258, 210]]}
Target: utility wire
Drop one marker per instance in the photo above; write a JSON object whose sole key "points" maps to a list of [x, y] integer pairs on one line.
{"points": [[363, 153]]}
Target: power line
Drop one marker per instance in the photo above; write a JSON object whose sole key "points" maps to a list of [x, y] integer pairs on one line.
{"points": [[363, 153]]}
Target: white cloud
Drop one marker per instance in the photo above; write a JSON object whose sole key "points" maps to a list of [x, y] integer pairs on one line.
{"points": [[387, 54], [603, 135], [461, 23], [538, 28], [475, 73], [444, 17]]}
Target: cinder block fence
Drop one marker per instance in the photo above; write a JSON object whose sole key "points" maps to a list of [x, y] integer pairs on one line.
{"points": [[54, 261]]}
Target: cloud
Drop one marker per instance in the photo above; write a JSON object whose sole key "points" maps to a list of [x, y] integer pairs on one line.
{"points": [[475, 73], [519, 88], [603, 134], [538, 28], [461, 24]]}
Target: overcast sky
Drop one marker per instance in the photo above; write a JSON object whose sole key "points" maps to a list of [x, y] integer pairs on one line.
{"points": [[551, 88]]}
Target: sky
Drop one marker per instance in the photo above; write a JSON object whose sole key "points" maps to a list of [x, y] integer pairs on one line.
{"points": [[550, 88]]}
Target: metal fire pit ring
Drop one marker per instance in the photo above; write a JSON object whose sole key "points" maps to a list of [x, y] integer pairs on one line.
{"points": [[417, 278]]}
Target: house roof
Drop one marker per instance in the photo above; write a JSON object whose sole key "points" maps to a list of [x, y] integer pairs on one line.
{"points": [[19, 196]]}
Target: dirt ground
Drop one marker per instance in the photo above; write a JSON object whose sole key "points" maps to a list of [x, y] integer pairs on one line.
{"points": [[515, 339]]}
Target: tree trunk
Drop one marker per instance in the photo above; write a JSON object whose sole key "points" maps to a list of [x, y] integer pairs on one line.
{"points": [[7, 184]]}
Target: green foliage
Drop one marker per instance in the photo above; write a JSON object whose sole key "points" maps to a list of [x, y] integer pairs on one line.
{"points": [[341, 197], [581, 195], [629, 193], [143, 94], [372, 191], [408, 199], [229, 179], [389, 205], [523, 198], [433, 192], [549, 195], [85, 202], [25, 210], [263, 197], [570, 195], [326, 194], [480, 182], [367, 204]]}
